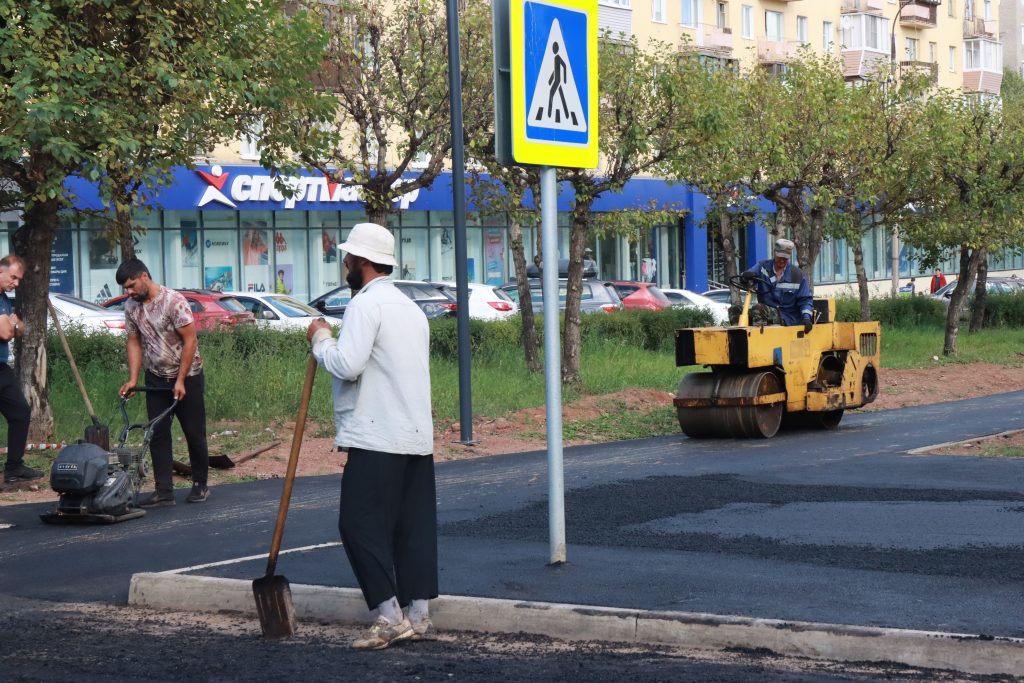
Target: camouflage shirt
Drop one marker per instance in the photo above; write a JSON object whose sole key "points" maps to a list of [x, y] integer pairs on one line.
{"points": [[157, 322]]}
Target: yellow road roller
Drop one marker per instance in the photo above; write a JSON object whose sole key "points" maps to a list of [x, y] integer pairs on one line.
{"points": [[760, 375]]}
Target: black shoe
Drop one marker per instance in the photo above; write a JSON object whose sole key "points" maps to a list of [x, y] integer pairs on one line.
{"points": [[157, 499], [198, 494], [21, 473]]}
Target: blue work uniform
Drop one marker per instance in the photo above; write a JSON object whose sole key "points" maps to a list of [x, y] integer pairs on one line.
{"points": [[790, 294]]}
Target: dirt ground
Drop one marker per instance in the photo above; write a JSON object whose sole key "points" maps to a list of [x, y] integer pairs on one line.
{"points": [[524, 430]]}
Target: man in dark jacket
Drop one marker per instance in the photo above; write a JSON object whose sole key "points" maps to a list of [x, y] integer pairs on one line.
{"points": [[783, 293]]}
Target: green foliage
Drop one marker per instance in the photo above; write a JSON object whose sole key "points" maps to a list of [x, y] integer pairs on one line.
{"points": [[902, 311], [648, 330], [1004, 310]]}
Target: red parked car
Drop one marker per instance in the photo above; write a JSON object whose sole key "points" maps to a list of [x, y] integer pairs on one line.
{"points": [[212, 310], [641, 295]]}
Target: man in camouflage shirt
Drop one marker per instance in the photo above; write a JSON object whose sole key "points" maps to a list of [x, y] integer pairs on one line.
{"points": [[162, 340]]}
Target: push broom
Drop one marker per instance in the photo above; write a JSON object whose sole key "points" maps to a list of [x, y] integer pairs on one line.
{"points": [[272, 592]]}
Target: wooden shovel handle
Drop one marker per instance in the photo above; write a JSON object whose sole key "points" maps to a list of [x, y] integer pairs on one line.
{"points": [[71, 360], [293, 464]]}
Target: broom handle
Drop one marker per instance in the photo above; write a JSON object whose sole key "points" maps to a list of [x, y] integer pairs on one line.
{"points": [[293, 464], [71, 360]]}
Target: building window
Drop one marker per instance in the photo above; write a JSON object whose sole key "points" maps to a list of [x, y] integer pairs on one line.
{"points": [[933, 53], [689, 13], [988, 10], [773, 25], [801, 30], [911, 49], [747, 21], [617, 3], [951, 7], [952, 59], [658, 11], [722, 15], [827, 36], [983, 55], [249, 147], [864, 32]]}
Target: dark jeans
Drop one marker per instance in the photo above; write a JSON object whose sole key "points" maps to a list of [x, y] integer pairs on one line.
{"points": [[15, 410], [191, 413], [388, 525]]}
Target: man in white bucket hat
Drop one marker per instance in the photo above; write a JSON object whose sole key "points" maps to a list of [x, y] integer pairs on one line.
{"points": [[381, 384]]}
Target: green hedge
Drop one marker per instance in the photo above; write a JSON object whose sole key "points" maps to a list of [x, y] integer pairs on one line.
{"points": [[1001, 310]]}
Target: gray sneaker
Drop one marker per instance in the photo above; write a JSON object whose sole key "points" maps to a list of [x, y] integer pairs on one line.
{"points": [[423, 630], [198, 494], [382, 634], [157, 499]]}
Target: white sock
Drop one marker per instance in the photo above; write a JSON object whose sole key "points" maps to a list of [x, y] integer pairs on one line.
{"points": [[419, 610], [390, 610]]}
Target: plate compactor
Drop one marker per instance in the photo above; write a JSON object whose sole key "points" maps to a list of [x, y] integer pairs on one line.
{"points": [[97, 486], [763, 375]]}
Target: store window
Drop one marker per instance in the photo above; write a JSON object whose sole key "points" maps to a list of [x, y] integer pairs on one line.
{"points": [[256, 246], [325, 262], [182, 253], [290, 275], [220, 251]]}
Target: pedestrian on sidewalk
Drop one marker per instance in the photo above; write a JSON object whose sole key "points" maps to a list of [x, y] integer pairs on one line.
{"points": [[380, 369], [938, 281], [162, 340], [13, 405]]}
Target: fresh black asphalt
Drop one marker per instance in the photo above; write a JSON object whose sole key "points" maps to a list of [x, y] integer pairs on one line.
{"points": [[838, 527]]}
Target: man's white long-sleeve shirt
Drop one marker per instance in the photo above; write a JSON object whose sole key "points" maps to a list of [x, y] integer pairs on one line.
{"points": [[380, 367]]}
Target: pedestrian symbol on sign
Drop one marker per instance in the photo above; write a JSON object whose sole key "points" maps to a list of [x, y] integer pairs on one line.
{"points": [[556, 101]]}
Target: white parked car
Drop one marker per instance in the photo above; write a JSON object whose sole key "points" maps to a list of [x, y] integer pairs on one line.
{"points": [[277, 311], [487, 302], [75, 313], [687, 299]]}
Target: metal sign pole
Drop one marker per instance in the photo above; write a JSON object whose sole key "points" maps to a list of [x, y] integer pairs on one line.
{"points": [[552, 363]]}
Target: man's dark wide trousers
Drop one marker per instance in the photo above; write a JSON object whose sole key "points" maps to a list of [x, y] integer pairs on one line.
{"points": [[388, 524], [16, 411], [191, 414]]}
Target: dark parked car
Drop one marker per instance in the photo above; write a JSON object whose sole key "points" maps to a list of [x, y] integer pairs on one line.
{"points": [[435, 298], [211, 310]]}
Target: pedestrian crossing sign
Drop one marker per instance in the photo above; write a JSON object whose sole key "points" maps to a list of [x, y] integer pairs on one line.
{"points": [[554, 82]]}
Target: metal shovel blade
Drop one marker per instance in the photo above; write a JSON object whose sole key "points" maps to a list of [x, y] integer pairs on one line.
{"points": [[274, 606]]}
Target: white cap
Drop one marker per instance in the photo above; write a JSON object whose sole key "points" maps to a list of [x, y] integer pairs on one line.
{"points": [[373, 242]]}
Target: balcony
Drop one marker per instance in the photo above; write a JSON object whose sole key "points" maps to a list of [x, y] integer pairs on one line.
{"points": [[918, 16], [979, 28], [929, 70], [776, 51], [718, 39], [983, 82], [850, 6]]}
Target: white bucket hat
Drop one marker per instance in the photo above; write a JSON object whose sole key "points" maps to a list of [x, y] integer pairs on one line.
{"points": [[373, 242]]}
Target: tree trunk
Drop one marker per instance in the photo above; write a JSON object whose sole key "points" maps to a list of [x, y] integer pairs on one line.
{"points": [[980, 295], [574, 293], [34, 242], [377, 215], [531, 342], [812, 248], [124, 226], [862, 281], [726, 236], [968, 267]]}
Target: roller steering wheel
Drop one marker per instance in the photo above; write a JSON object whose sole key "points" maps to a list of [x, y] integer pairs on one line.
{"points": [[739, 283]]}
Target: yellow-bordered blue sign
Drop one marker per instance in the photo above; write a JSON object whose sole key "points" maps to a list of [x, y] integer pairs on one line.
{"points": [[554, 82]]}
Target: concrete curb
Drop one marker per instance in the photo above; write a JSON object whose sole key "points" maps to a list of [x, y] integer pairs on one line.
{"points": [[975, 654]]}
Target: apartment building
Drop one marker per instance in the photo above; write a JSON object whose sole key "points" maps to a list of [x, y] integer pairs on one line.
{"points": [[956, 42], [1011, 33], [225, 222]]}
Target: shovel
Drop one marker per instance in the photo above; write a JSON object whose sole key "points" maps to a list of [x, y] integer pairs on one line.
{"points": [[96, 433], [272, 591]]}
